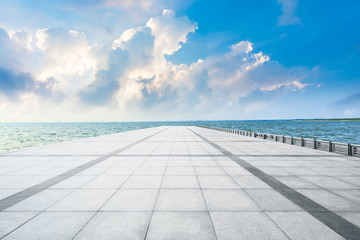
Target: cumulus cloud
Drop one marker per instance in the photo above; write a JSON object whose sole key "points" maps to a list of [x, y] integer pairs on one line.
{"points": [[288, 17], [141, 67], [139, 75], [13, 84], [24, 60], [64, 52], [170, 31], [133, 74]]}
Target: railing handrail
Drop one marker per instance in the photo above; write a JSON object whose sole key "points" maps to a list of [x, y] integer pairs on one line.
{"points": [[352, 149]]}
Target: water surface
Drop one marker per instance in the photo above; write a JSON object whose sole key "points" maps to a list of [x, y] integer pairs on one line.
{"points": [[21, 135]]}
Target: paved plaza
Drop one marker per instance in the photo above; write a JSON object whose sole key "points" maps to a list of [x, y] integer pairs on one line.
{"points": [[178, 183]]}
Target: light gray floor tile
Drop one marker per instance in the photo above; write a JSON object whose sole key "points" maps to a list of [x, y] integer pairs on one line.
{"points": [[301, 225], [180, 200], [206, 163], [143, 182], [180, 182], [251, 182], [328, 182], [181, 225], [233, 171], [179, 163], [154, 163], [353, 195], [210, 171], [106, 182], [245, 225], [355, 180], [271, 200], [132, 200], [52, 225], [150, 171], [217, 182], [120, 171], [83, 200], [186, 171], [9, 221], [229, 200], [116, 225]]}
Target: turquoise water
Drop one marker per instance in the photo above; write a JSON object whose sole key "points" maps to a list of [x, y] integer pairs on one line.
{"points": [[21, 135]]}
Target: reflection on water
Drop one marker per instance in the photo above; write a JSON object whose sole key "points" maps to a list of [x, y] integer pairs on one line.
{"points": [[22, 135]]}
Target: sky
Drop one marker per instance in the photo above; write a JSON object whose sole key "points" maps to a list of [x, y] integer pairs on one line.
{"points": [[170, 60]]}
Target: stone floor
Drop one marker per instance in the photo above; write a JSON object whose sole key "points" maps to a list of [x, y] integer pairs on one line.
{"points": [[178, 183]]}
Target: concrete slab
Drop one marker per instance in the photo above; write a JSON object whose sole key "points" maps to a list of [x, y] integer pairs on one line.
{"points": [[181, 225], [245, 225], [178, 183], [116, 225]]}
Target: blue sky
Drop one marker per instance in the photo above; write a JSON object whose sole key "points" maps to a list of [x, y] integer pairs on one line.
{"points": [[139, 60]]}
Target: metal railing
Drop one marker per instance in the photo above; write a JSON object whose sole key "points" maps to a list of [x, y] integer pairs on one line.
{"points": [[337, 147]]}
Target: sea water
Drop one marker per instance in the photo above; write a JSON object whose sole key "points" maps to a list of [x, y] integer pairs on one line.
{"points": [[21, 135]]}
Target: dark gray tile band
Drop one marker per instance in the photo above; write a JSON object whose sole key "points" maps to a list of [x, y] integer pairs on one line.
{"points": [[26, 193], [341, 226]]}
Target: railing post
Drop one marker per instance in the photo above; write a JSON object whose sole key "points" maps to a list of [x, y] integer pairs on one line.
{"points": [[330, 146], [283, 139], [292, 140], [315, 146], [349, 149], [302, 142], [264, 136], [275, 138]]}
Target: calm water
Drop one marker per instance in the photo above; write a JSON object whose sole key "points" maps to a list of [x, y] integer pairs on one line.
{"points": [[22, 135]]}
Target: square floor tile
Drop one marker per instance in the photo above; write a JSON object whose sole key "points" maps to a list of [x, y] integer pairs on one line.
{"points": [[83, 200], [143, 182], [271, 200], [116, 225], [132, 200], [217, 182], [52, 225], [11, 220], [180, 171], [150, 171], [229, 200], [250, 182], [210, 171], [180, 200], [301, 225], [180, 182], [103, 181], [245, 225], [181, 225]]}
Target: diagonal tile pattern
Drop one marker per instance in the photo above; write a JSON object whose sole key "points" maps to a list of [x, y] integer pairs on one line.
{"points": [[175, 183]]}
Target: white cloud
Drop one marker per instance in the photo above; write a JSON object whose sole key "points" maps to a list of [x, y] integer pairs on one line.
{"points": [[145, 80], [65, 52], [288, 8], [133, 77], [170, 31]]}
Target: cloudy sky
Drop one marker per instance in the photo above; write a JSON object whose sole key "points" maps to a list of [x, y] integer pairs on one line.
{"points": [[140, 60]]}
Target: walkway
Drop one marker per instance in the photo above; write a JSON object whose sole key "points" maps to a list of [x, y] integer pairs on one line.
{"points": [[178, 183]]}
